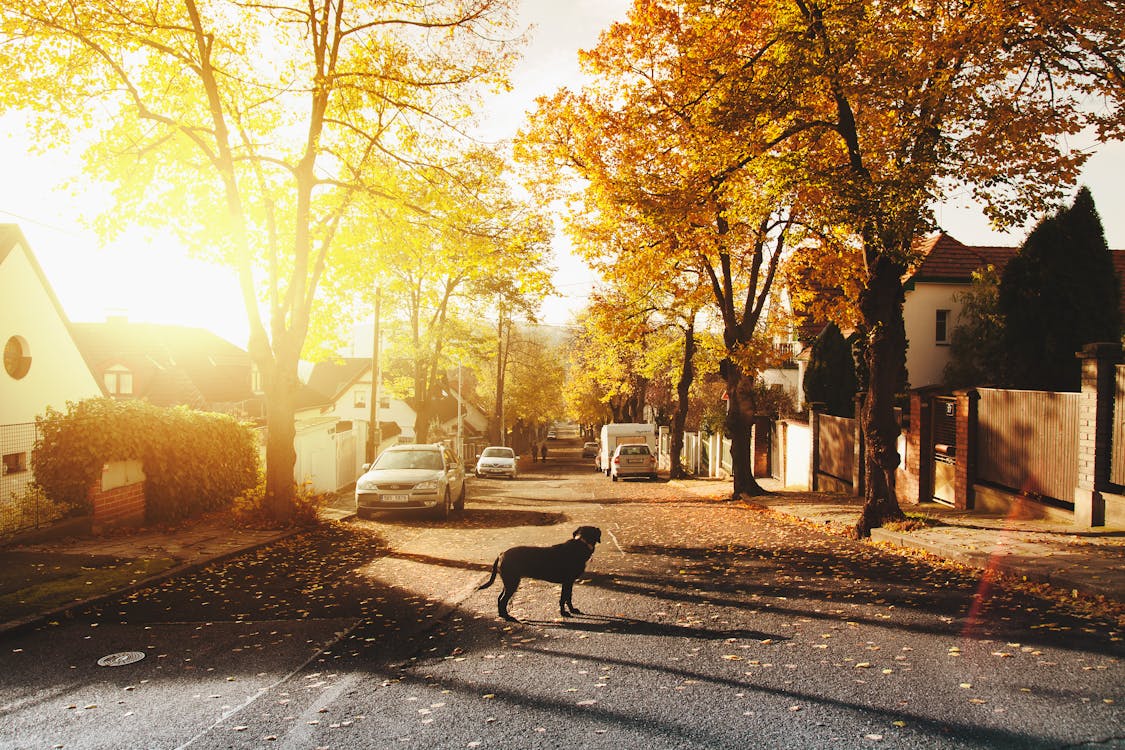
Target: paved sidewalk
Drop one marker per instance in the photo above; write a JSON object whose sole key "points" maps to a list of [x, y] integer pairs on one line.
{"points": [[1088, 562], [47, 580], [84, 571]]}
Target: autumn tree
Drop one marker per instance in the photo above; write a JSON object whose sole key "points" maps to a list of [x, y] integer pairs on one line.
{"points": [[462, 242], [649, 139], [881, 109], [669, 294], [251, 132], [534, 394], [610, 348]]}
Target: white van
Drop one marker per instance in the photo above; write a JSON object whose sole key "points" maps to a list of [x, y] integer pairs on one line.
{"points": [[620, 433]]}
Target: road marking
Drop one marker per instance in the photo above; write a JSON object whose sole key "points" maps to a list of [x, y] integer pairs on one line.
{"points": [[615, 542]]}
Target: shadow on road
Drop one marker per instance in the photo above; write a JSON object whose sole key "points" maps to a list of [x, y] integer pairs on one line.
{"points": [[633, 626], [472, 518]]}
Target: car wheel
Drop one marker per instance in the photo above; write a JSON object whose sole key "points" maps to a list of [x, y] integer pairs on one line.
{"points": [[459, 506], [441, 512]]}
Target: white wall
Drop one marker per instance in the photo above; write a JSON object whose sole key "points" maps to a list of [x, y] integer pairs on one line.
{"points": [[397, 410], [58, 372], [925, 360]]}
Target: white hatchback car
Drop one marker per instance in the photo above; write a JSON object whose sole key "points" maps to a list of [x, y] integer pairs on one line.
{"points": [[497, 461], [632, 460], [412, 476]]}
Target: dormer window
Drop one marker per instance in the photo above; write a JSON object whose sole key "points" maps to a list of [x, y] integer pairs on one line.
{"points": [[119, 381]]}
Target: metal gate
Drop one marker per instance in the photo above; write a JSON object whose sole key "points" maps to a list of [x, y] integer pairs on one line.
{"points": [[944, 441]]}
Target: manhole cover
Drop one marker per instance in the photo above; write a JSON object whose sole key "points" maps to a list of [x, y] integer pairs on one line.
{"points": [[121, 659]]}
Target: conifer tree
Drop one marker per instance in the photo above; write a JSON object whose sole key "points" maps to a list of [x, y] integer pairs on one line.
{"points": [[831, 377], [1057, 295]]}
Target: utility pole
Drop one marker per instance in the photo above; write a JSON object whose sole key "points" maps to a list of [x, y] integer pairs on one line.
{"points": [[460, 442], [374, 433]]}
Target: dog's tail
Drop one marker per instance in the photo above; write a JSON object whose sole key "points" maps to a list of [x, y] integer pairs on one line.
{"points": [[492, 578]]}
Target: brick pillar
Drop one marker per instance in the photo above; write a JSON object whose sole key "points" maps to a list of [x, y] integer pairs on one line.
{"points": [[920, 447], [1095, 431], [967, 401], [815, 409]]}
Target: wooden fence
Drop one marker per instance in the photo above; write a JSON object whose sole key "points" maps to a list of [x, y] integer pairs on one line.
{"points": [[1027, 441], [836, 447]]}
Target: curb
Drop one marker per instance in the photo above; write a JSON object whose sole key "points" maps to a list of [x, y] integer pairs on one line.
{"points": [[14, 627]]}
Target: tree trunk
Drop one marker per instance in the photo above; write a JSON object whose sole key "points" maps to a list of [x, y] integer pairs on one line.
{"points": [[679, 417], [881, 305], [281, 456], [739, 422]]}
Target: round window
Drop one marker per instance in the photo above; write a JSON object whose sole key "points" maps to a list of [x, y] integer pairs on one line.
{"points": [[17, 357]]}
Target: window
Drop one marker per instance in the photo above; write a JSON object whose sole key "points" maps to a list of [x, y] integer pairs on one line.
{"points": [[17, 358], [941, 328], [359, 399], [14, 463], [119, 381], [384, 402], [255, 379]]}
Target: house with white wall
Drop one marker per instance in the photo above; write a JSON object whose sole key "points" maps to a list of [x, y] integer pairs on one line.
{"points": [[931, 309], [346, 384], [42, 364]]}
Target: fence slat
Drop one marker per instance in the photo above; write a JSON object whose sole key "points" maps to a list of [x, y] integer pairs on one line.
{"points": [[1027, 441]]}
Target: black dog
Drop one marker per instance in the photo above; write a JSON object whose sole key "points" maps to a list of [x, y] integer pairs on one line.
{"points": [[561, 563]]}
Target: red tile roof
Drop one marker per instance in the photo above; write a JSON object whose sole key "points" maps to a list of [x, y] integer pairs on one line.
{"points": [[942, 258]]}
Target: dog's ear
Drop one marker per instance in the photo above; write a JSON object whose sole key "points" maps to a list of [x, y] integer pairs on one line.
{"points": [[590, 534]]}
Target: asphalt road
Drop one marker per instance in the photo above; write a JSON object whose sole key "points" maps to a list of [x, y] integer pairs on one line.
{"points": [[707, 625]]}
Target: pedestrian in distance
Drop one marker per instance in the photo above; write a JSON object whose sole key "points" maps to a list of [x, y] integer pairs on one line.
{"points": [[543, 453]]}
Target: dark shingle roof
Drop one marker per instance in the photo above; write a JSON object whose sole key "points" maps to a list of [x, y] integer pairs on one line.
{"points": [[333, 378], [171, 365]]}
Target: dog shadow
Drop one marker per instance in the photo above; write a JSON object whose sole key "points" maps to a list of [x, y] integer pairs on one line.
{"points": [[633, 626]]}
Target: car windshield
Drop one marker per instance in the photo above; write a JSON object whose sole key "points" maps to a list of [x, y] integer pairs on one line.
{"points": [[498, 453], [419, 459], [634, 450]]}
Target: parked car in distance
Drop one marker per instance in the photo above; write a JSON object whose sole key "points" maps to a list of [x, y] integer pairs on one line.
{"points": [[632, 460], [497, 461], [412, 476], [552, 435], [589, 450]]}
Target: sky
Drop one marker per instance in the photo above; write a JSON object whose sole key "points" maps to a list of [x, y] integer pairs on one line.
{"points": [[145, 278]]}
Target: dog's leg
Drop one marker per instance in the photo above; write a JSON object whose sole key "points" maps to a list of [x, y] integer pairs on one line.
{"points": [[506, 594], [566, 600]]}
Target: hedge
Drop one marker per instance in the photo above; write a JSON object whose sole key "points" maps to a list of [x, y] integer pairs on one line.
{"points": [[194, 462]]}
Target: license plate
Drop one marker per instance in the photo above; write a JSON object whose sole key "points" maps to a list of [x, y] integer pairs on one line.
{"points": [[396, 498]]}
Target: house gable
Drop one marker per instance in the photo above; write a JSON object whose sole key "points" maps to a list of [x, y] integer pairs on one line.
{"points": [[53, 370], [944, 270]]}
